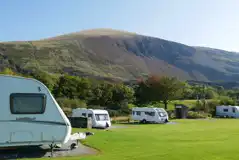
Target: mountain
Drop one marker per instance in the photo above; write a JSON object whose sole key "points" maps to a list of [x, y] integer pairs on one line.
{"points": [[121, 55]]}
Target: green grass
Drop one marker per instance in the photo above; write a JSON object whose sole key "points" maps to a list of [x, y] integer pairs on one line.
{"points": [[187, 140], [189, 103]]}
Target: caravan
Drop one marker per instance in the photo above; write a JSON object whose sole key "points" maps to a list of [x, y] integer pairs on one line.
{"points": [[100, 118], [227, 111], [30, 116], [152, 115]]}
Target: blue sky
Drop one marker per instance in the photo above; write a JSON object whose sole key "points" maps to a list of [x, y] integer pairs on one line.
{"points": [[210, 23]]}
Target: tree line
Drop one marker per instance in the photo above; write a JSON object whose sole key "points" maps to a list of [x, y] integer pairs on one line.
{"points": [[73, 91]]}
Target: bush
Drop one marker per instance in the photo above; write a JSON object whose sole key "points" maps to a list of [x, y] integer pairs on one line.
{"points": [[212, 107], [71, 103], [224, 100], [196, 115], [95, 107], [171, 114], [67, 111], [198, 106], [114, 113], [130, 106], [122, 119], [211, 94]]}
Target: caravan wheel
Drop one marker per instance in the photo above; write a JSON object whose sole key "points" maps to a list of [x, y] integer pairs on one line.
{"points": [[106, 125], [144, 121], [166, 121]]}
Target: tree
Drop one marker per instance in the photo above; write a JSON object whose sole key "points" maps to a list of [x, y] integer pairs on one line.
{"points": [[221, 91], [73, 87], [84, 89], [210, 93], [66, 87], [170, 89], [198, 92], [158, 89], [102, 94], [122, 95], [47, 79], [187, 91]]}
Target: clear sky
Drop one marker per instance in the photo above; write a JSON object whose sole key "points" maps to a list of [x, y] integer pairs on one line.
{"points": [[210, 23]]}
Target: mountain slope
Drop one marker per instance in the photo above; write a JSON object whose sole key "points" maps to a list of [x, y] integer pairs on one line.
{"points": [[123, 55]]}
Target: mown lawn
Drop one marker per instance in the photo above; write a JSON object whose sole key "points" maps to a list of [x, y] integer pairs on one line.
{"points": [[187, 140]]}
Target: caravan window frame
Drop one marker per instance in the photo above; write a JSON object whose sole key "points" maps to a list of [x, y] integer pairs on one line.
{"points": [[13, 95]]}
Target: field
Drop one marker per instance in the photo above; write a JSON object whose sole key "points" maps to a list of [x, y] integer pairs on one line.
{"points": [[215, 139]]}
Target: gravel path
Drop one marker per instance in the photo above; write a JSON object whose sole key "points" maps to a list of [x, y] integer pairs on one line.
{"points": [[44, 151], [117, 126]]}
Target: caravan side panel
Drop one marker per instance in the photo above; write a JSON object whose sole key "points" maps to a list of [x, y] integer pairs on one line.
{"points": [[21, 125]]}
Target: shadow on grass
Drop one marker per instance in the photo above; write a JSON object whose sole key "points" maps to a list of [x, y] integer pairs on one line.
{"points": [[23, 152]]}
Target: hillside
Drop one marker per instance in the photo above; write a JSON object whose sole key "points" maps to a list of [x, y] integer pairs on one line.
{"points": [[120, 55]]}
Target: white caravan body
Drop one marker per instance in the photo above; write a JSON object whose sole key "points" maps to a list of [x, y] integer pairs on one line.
{"points": [[227, 111], [152, 115], [100, 118], [29, 114]]}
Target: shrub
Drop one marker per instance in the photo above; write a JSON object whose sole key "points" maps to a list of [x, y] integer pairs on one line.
{"points": [[212, 107], [196, 115], [198, 106], [71, 103], [95, 107], [122, 119], [67, 111], [114, 113], [171, 114], [130, 106], [224, 100]]}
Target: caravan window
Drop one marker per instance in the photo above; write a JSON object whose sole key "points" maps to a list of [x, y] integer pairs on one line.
{"points": [[162, 114], [27, 103], [90, 115], [234, 110], [138, 113], [225, 110], [83, 114], [102, 117], [150, 113]]}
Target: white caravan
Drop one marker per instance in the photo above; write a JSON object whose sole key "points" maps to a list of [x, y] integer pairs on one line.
{"points": [[30, 116], [227, 111], [152, 115], [100, 118]]}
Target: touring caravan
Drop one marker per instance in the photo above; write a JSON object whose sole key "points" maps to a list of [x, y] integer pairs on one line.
{"points": [[147, 114], [100, 118], [227, 111], [30, 116]]}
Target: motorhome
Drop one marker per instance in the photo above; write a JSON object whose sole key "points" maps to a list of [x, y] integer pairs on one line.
{"points": [[151, 115], [30, 116], [227, 111], [100, 118]]}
